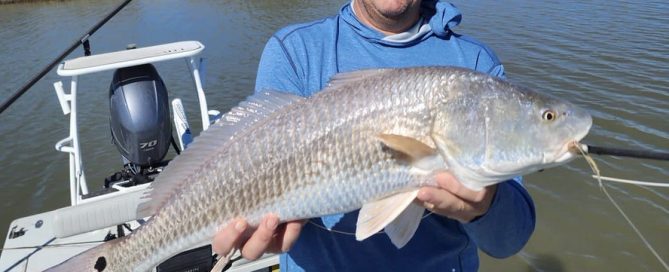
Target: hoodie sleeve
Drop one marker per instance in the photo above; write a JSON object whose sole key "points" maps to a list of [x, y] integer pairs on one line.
{"points": [[276, 70], [508, 224]]}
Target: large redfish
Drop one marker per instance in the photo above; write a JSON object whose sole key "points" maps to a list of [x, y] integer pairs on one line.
{"points": [[367, 141]]}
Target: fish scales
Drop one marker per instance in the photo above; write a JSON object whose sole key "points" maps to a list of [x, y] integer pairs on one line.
{"points": [[282, 180], [313, 157]]}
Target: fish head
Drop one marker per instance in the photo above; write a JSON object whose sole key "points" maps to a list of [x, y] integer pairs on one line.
{"points": [[553, 126], [503, 131]]}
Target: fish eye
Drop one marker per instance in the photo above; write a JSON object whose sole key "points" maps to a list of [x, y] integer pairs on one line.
{"points": [[549, 115]]}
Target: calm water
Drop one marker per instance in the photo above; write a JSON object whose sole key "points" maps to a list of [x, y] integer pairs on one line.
{"points": [[611, 57]]}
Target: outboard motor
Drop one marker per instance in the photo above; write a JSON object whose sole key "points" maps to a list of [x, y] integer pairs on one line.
{"points": [[140, 117]]}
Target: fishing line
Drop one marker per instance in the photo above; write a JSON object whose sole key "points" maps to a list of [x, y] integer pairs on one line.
{"points": [[63, 244], [635, 182], [331, 230], [53, 245], [587, 150], [352, 233], [225, 262], [597, 176]]}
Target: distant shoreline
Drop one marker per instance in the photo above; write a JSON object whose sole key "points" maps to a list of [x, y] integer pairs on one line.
{"points": [[7, 2]]}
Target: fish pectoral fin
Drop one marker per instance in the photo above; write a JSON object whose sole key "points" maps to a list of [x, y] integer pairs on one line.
{"points": [[406, 148], [422, 158], [375, 216], [405, 225]]}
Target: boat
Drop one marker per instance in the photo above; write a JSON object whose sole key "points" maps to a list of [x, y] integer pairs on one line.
{"points": [[142, 132]]}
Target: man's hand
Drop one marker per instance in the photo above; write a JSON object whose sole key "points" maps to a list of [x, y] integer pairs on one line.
{"points": [[269, 236], [454, 200]]}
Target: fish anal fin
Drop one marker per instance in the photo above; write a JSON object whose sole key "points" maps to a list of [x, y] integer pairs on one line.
{"points": [[405, 225], [375, 216]]}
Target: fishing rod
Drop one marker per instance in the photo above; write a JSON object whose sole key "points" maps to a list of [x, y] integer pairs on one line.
{"points": [[632, 153], [82, 41]]}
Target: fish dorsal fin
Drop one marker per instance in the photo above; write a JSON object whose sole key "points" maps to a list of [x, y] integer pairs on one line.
{"points": [[214, 140], [346, 78], [405, 225], [375, 216]]}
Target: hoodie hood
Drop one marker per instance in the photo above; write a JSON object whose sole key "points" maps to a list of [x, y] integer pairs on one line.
{"points": [[442, 16], [437, 18]]}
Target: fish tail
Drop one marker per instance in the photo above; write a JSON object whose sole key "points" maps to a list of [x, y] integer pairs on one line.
{"points": [[93, 259]]}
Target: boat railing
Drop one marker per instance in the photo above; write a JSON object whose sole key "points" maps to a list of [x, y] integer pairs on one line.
{"points": [[74, 68]]}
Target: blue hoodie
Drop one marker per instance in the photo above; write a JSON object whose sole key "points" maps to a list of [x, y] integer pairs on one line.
{"points": [[300, 59]]}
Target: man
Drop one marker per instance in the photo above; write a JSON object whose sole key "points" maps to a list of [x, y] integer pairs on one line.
{"points": [[300, 59]]}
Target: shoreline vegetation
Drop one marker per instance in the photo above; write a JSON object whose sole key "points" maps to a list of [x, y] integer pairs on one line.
{"points": [[8, 2]]}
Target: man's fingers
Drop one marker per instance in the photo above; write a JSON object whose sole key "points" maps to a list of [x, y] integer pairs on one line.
{"points": [[226, 239], [261, 238], [289, 236], [445, 203], [448, 182], [285, 236], [435, 198]]}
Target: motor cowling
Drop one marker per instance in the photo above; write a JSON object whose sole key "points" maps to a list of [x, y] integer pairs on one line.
{"points": [[140, 117]]}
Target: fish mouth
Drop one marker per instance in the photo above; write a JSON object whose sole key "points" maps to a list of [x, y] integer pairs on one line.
{"points": [[572, 148], [569, 151]]}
